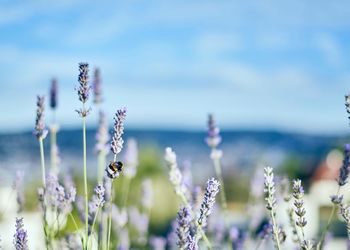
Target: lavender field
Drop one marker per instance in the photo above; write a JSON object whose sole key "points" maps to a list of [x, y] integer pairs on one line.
{"points": [[170, 125]]}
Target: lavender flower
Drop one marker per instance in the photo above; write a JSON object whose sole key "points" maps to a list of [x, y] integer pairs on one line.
{"points": [[183, 227], [298, 194], [18, 187], [131, 158], [344, 170], [265, 231], [83, 79], [175, 175], [192, 243], [147, 194], [84, 88], [213, 139], [295, 236], [345, 213], [269, 189], [307, 245], [117, 140], [208, 201], [57, 197], [236, 238], [73, 242], [102, 135], [157, 243], [40, 131], [97, 86], [337, 199], [96, 202], [53, 94], [20, 240], [347, 104]]}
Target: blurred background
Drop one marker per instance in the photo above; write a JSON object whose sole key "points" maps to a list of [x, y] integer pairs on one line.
{"points": [[273, 73]]}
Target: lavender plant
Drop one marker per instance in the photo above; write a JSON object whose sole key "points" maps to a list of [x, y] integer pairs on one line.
{"points": [[298, 194], [213, 140], [114, 169], [102, 147], [83, 94], [269, 189], [18, 186], [342, 180], [20, 238], [54, 128], [183, 227], [40, 132], [97, 89]]}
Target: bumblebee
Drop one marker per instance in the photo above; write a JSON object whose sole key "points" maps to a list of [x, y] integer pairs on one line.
{"points": [[114, 168]]}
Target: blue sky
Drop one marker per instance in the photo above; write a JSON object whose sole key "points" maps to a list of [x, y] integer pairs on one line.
{"points": [[257, 64]]}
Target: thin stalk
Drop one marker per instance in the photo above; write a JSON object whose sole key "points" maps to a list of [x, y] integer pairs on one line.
{"points": [[218, 173], [320, 244], [275, 232], [74, 222], [94, 221], [110, 217], [42, 159], [85, 182], [53, 141], [93, 225]]}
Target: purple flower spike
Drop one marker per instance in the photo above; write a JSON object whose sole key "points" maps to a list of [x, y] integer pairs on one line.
{"points": [[97, 86], [102, 136], [117, 140], [344, 170], [20, 238], [84, 88], [213, 139], [83, 79], [19, 188], [208, 201], [53, 93], [40, 131], [183, 227]]}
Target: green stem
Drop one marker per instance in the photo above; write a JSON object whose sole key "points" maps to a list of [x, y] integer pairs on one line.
{"points": [[94, 221], [41, 144], [53, 142], [320, 244], [218, 173], [275, 232], [110, 218], [85, 182], [74, 222]]}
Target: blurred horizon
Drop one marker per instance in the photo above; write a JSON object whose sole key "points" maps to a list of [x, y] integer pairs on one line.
{"points": [[274, 66]]}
